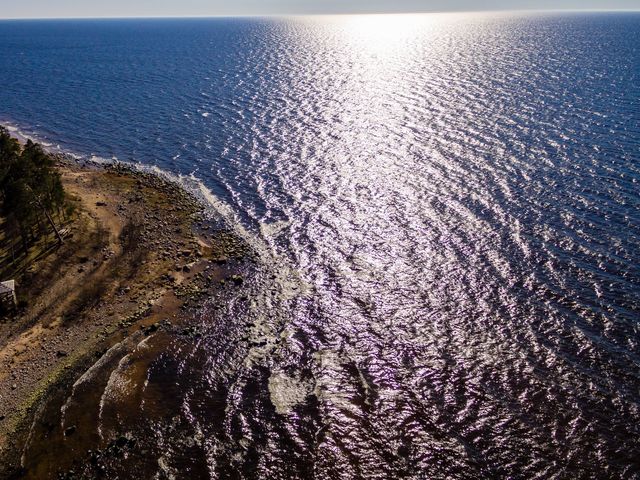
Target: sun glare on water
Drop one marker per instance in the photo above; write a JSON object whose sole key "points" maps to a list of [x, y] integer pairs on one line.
{"points": [[385, 34]]}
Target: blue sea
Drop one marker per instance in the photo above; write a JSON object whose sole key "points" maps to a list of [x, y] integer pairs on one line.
{"points": [[446, 211]]}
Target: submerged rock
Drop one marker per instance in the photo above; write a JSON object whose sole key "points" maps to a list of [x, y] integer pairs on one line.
{"points": [[287, 392]]}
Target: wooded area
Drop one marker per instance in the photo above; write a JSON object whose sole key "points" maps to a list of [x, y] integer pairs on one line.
{"points": [[32, 198]]}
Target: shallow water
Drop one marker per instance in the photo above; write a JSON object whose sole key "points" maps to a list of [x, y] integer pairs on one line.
{"points": [[447, 212]]}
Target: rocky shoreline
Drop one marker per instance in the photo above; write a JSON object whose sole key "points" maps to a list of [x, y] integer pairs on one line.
{"points": [[140, 254]]}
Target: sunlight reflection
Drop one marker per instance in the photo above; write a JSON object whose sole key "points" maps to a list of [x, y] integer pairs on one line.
{"points": [[382, 35]]}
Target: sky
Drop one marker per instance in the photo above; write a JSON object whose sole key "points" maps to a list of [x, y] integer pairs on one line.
{"points": [[170, 8]]}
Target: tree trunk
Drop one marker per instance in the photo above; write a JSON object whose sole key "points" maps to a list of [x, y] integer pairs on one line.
{"points": [[53, 225], [51, 222]]}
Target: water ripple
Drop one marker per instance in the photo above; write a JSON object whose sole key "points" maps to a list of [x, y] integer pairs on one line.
{"points": [[447, 207]]}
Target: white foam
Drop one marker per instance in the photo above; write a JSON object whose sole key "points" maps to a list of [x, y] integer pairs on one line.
{"points": [[90, 374], [101, 160], [119, 381], [23, 136], [273, 229]]}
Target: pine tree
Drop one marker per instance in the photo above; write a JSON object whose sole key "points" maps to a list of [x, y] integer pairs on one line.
{"points": [[30, 187]]}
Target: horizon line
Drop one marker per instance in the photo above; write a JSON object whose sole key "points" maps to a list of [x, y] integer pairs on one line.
{"points": [[288, 15]]}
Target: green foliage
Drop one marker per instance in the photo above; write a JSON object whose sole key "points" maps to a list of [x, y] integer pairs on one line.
{"points": [[30, 186]]}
